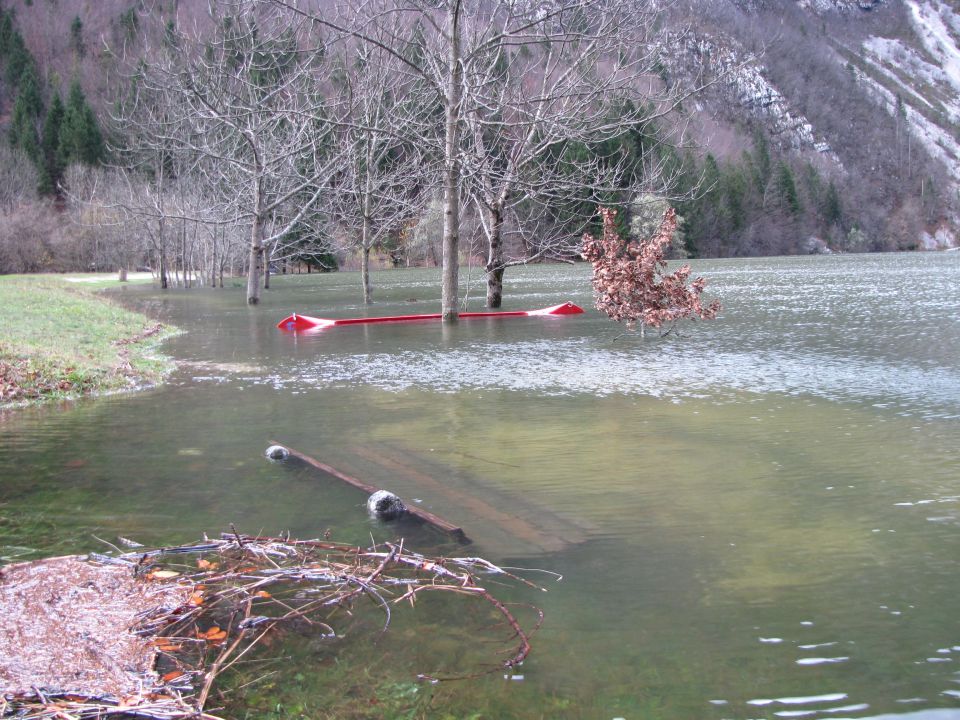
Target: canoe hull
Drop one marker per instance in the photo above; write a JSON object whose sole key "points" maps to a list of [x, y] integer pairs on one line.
{"points": [[300, 323]]}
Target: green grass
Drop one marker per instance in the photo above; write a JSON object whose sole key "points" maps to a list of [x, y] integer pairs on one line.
{"points": [[61, 339]]}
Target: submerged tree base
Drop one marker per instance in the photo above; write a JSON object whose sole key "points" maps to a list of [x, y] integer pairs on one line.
{"points": [[147, 633]]}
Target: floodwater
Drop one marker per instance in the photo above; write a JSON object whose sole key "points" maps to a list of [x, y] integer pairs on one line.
{"points": [[757, 519]]}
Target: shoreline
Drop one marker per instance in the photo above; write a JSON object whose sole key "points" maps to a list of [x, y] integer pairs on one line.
{"points": [[62, 339]]}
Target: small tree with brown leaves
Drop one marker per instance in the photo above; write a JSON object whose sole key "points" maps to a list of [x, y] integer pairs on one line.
{"points": [[630, 282]]}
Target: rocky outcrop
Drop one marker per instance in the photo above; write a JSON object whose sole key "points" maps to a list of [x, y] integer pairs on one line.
{"points": [[943, 238], [817, 6], [824, 6], [744, 89]]}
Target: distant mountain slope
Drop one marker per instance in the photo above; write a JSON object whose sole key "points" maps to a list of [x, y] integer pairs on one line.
{"points": [[920, 78], [835, 124], [868, 92]]}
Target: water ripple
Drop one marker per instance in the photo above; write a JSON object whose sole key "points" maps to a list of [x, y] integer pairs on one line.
{"points": [[577, 365]]}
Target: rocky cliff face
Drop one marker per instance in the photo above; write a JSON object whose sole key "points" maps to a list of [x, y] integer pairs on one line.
{"points": [[826, 6], [743, 86], [918, 79], [866, 90], [817, 6]]}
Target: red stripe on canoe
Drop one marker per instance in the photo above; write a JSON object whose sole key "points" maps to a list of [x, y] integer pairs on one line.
{"points": [[297, 322]]}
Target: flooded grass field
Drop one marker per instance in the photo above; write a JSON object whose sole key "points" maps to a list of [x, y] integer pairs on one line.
{"points": [[757, 519]]}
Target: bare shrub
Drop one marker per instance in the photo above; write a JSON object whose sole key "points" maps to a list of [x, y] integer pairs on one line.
{"points": [[33, 239], [18, 178]]}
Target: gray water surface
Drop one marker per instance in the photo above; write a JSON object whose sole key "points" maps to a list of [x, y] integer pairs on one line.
{"points": [[759, 518]]}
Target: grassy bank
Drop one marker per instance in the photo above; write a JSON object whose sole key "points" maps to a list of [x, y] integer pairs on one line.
{"points": [[61, 339]]}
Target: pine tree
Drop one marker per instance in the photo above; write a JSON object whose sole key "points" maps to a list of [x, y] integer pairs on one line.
{"points": [[735, 198], [788, 188], [76, 37], [832, 208], [6, 33], [27, 110], [760, 162], [18, 58], [94, 147], [45, 184], [705, 210], [29, 92], [80, 138], [711, 177], [130, 22], [51, 171]]}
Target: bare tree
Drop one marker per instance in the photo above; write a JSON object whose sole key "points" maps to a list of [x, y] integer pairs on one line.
{"points": [[18, 179], [536, 115], [99, 222], [512, 80], [380, 187], [127, 212], [242, 99]]}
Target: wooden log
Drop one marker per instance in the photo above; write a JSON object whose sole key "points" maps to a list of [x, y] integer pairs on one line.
{"points": [[506, 522], [422, 515]]}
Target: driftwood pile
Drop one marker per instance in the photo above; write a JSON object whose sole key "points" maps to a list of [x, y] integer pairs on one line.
{"points": [[201, 608]]}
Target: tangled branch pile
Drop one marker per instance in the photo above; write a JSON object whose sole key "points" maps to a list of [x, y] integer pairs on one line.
{"points": [[630, 282], [234, 591]]}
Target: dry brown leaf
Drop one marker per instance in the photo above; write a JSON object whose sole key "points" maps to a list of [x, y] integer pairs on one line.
{"points": [[214, 634]]}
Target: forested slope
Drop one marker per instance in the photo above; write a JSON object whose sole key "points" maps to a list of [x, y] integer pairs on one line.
{"points": [[823, 125]]}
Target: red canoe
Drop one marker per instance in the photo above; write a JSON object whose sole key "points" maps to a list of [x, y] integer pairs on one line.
{"points": [[295, 322]]}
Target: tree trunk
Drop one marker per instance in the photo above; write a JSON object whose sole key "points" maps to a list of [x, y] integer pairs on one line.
{"points": [[213, 259], [495, 257], [266, 268], [365, 229], [164, 283], [256, 261], [257, 233], [365, 275], [451, 180], [184, 261]]}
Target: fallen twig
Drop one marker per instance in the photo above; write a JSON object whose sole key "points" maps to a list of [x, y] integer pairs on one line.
{"points": [[229, 611]]}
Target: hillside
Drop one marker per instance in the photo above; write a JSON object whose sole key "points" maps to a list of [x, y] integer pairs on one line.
{"points": [[826, 125], [866, 93]]}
